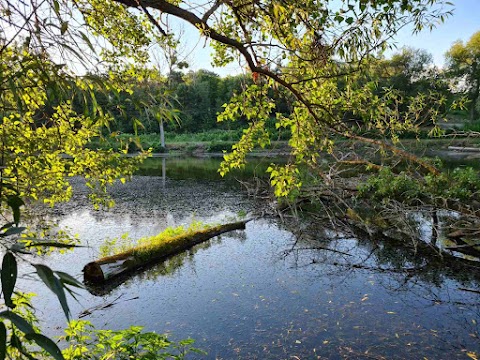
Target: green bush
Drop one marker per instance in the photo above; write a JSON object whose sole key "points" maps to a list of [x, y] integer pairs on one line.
{"points": [[219, 146], [85, 342], [472, 126], [206, 136]]}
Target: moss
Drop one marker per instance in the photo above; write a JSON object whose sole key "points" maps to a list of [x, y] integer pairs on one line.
{"points": [[171, 240], [155, 248]]}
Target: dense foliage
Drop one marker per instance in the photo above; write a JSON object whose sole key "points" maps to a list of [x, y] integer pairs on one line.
{"points": [[48, 115], [85, 342], [199, 96], [464, 66], [196, 96]]}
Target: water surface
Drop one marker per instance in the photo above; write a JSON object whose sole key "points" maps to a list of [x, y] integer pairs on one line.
{"points": [[266, 292]]}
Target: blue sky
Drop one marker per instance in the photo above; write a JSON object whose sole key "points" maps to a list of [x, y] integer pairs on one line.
{"points": [[464, 22]]}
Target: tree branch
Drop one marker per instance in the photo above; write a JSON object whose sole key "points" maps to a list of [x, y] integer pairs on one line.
{"points": [[211, 33], [209, 13]]}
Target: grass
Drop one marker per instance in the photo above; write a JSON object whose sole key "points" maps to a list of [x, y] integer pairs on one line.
{"points": [[215, 140], [145, 245], [128, 141], [211, 141], [206, 136], [472, 126], [169, 240]]}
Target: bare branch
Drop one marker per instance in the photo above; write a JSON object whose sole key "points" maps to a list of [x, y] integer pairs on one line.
{"points": [[209, 13]]}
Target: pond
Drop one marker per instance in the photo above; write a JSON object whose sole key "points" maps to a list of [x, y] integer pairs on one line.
{"points": [[278, 290]]}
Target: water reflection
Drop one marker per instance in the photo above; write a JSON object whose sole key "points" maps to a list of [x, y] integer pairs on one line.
{"points": [[164, 171], [181, 168]]}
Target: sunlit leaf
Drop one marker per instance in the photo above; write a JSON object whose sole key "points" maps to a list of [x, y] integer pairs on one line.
{"points": [[472, 355], [3, 341]]}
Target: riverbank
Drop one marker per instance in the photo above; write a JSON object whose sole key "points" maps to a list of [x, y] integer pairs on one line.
{"points": [[208, 145]]}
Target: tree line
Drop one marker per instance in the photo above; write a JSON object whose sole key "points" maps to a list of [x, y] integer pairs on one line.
{"points": [[197, 97]]}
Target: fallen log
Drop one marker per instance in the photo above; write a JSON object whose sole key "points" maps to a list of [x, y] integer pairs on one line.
{"points": [[132, 259]]}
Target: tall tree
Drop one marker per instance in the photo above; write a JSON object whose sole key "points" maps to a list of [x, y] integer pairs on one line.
{"points": [[412, 74], [463, 61], [48, 114], [407, 69]]}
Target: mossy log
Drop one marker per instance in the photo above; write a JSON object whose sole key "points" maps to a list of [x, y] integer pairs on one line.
{"points": [[109, 267]]}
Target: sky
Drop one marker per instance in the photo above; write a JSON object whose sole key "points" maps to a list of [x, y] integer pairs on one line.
{"points": [[463, 24]]}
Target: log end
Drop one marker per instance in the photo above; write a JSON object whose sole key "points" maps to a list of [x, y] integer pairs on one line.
{"points": [[92, 272]]}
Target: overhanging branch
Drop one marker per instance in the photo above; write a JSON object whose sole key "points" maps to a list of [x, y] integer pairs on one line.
{"points": [[242, 48]]}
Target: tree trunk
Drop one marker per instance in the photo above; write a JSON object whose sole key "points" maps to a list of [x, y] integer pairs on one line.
{"points": [[475, 93], [473, 111], [110, 267], [162, 133]]}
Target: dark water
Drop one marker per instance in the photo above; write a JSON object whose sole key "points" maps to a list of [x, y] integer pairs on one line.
{"points": [[266, 292]]}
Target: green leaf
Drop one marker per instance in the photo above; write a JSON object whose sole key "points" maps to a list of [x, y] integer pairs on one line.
{"points": [[15, 202], [13, 231], [64, 27], [9, 277], [68, 279], [3, 341], [46, 274], [7, 226], [47, 344], [56, 7], [87, 41], [52, 282], [72, 50], [60, 292], [19, 248], [15, 342], [18, 321]]}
